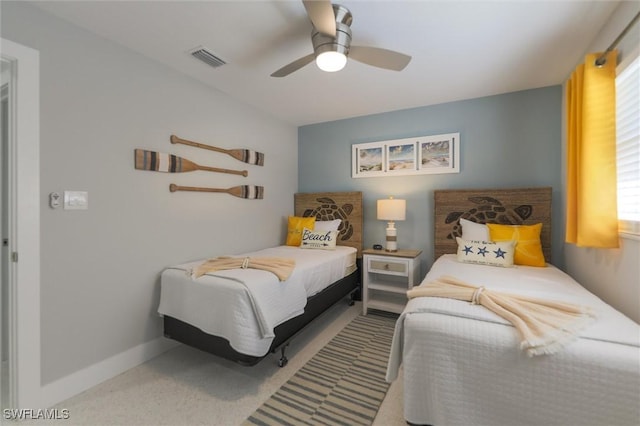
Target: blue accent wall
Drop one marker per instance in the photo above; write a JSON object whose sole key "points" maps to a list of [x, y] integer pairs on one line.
{"points": [[506, 141]]}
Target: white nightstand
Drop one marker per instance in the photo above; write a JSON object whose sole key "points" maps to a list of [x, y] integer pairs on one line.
{"points": [[386, 277]]}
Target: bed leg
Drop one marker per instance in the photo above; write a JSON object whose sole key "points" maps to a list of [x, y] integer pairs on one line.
{"points": [[283, 358], [352, 297]]}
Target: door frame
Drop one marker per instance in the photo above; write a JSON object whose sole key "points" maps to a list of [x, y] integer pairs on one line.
{"points": [[24, 226]]}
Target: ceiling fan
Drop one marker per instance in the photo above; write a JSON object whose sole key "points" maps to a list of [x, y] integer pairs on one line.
{"points": [[331, 38]]}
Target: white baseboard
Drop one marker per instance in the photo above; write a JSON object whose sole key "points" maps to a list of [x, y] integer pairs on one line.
{"points": [[88, 377]]}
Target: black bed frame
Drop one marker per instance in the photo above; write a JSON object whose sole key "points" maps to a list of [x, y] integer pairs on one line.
{"points": [[316, 304], [346, 206]]}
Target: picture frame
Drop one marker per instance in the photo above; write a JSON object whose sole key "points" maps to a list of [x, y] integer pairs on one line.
{"points": [[401, 156], [439, 153], [433, 154], [368, 159]]}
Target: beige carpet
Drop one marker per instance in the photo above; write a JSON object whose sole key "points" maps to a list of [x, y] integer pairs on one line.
{"points": [[185, 386]]}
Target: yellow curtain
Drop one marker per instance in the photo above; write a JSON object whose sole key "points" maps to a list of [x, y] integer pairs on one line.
{"points": [[592, 212]]}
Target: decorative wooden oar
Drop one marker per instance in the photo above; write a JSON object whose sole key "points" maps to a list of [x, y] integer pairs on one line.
{"points": [[252, 192], [245, 155], [161, 162]]}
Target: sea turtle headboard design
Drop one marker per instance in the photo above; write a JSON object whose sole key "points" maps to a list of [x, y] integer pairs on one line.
{"points": [[505, 206], [346, 206]]}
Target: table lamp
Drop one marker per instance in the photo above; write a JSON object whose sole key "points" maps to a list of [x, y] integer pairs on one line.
{"points": [[391, 210]]}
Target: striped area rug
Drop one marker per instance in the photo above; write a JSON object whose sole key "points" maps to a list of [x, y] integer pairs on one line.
{"points": [[343, 384]]}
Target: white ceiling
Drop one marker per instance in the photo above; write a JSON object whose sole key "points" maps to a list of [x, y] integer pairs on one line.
{"points": [[460, 50]]}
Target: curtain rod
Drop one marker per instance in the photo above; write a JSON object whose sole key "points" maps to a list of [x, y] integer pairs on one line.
{"points": [[602, 59]]}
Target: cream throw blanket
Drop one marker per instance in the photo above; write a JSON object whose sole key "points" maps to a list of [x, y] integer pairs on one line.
{"points": [[544, 326], [279, 266]]}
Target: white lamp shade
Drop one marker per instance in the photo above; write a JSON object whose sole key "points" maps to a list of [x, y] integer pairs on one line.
{"points": [[392, 209], [331, 61]]}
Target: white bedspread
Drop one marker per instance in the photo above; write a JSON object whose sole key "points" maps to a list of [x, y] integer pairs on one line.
{"points": [[245, 305], [462, 363]]}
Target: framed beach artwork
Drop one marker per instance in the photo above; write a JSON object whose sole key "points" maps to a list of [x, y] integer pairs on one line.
{"points": [[401, 157], [368, 159], [420, 155], [439, 153]]}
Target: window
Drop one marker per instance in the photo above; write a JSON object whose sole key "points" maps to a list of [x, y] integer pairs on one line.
{"points": [[628, 145]]}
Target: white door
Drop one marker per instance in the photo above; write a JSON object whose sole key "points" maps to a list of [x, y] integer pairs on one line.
{"points": [[6, 70], [20, 212]]}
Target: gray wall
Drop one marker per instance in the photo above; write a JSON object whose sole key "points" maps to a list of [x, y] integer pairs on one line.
{"points": [[510, 140], [100, 267]]}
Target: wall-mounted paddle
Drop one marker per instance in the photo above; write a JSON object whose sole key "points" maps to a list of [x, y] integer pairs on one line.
{"points": [[245, 155], [252, 192], [161, 162]]}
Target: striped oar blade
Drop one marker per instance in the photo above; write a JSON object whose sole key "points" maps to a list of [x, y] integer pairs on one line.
{"points": [[161, 162], [248, 156], [252, 192]]}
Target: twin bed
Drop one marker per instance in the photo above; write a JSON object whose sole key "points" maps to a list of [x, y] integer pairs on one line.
{"points": [[245, 314], [463, 365]]}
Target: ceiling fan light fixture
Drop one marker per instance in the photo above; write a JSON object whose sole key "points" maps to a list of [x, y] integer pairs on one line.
{"points": [[331, 61], [332, 43]]}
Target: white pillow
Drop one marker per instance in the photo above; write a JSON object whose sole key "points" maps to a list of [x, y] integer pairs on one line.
{"points": [[486, 253], [472, 231], [327, 225], [323, 240]]}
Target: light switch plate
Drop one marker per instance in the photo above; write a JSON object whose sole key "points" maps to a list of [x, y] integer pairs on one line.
{"points": [[76, 200]]}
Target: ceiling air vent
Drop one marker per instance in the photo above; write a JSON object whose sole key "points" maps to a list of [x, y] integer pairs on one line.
{"points": [[207, 57]]}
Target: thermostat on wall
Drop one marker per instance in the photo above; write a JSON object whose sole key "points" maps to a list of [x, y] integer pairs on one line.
{"points": [[54, 200]]}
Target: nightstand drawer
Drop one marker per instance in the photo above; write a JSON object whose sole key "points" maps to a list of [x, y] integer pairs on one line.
{"points": [[391, 267]]}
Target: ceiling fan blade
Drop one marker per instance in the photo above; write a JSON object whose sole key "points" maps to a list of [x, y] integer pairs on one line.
{"points": [[294, 66], [321, 15], [378, 57]]}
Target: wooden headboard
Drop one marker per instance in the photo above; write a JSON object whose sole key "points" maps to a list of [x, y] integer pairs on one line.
{"points": [[505, 206], [346, 206]]}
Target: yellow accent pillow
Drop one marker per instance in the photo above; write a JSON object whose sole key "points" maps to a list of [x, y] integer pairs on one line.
{"points": [[527, 238], [295, 226]]}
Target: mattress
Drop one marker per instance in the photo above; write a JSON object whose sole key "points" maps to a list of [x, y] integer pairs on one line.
{"points": [[245, 305], [462, 364]]}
